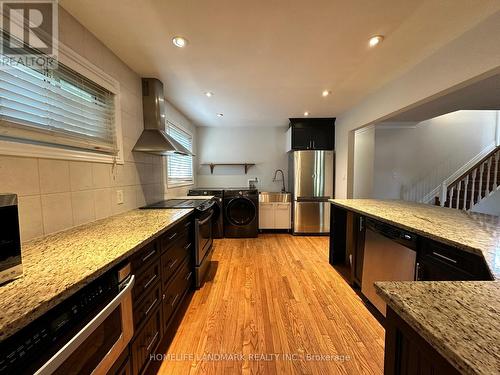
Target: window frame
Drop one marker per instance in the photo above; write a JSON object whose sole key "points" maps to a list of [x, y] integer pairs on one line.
{"points": [[84, 67], [180, 183]]}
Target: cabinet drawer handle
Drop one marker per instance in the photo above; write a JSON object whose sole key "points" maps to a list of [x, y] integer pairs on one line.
{"points": [[444, 257], [149, 255], [150, 281], [152, 341], [187, 246], [150, 307], [189, 275], [173, 263], [175, 299], [187, 225], [172, 236]]}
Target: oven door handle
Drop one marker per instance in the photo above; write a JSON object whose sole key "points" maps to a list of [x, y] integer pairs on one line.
{"points": [[204, 221], [63, 354]]}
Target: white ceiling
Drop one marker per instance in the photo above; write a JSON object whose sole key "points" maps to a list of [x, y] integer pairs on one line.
{"points": [[269, 60]]}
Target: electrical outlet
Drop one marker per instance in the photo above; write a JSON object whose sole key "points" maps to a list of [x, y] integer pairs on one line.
{"points": [[119, 196]]}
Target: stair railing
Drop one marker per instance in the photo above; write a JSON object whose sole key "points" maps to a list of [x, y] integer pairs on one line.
{"points": [[456, 195]]}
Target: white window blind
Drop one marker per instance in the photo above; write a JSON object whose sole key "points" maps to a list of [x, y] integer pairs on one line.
{"points": [[180, 167], [58, 107]]}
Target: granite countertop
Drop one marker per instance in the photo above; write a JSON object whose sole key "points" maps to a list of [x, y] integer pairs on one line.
{"points": [[468, 231], [460, 319], [58, 265]]}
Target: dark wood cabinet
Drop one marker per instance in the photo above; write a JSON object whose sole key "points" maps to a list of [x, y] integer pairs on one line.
{"points": [[176, 290], [313, 133], [338, 235], [145, 341], [173, 257], [144, 257], [163, 271], [144, 309], [358, 248], [440, 262], [145, 281], [406, 352]]}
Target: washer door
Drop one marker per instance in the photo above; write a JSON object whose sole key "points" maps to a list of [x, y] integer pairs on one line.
{"points": [[240, 211]]}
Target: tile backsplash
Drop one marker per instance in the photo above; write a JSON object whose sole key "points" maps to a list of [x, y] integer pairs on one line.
{"points": [[57, 194]]}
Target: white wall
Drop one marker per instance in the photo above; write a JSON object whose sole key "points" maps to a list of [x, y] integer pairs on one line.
{"points": [[263, 146], [431, 150], [58, 194], [490, 205], [472, 54], [364, 153]]}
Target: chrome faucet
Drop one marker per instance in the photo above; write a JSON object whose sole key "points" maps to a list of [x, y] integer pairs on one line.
{"points": [[283, 190]]}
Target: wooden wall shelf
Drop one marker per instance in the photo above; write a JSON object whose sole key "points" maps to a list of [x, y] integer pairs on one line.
{"points": [[244, 165]]}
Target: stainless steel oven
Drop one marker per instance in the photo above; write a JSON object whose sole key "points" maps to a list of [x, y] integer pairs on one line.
{"points": [[204, 243], [85, 334]]}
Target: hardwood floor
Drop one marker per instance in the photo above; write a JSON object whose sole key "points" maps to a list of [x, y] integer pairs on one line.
{"points": [[273, 302]]}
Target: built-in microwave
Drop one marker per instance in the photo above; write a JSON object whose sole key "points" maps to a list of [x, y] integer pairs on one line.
{"points": [[10, 241], [83, 335]]}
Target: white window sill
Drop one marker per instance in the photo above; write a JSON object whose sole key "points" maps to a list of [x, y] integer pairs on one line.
{"points": [[179, 184], [13, 148]]}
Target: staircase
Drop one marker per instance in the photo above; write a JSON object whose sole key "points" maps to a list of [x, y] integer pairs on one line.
{"points": [[478, 183]]}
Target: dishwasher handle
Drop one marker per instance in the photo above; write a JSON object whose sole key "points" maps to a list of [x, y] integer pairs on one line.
{"points": [[398, 235]]}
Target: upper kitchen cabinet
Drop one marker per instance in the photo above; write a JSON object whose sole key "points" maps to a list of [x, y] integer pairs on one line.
{"points": [[311, 134]]}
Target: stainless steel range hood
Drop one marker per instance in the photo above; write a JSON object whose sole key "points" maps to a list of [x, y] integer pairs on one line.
{"points": [[154, 139]]}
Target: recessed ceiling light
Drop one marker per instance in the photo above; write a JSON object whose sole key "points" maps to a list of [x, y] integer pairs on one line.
{"points": [[326, 93], [220, 114], [306, 113], [375, 40], [209, 94], [179, 41]]}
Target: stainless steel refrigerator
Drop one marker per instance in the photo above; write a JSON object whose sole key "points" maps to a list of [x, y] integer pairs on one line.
{"points": [[311, 175]]}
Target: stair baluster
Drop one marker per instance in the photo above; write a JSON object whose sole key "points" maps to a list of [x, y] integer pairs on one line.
{"points": [[464, 207], [495, 182], [457, 203], [472, 201], [480, 189], [488, 168]]}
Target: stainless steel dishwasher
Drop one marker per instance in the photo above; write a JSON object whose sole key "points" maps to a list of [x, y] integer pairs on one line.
{"points": [[390, 255]]}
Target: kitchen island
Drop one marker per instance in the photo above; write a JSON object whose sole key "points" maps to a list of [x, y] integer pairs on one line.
{"points": [[460, 319], [431, 326]]}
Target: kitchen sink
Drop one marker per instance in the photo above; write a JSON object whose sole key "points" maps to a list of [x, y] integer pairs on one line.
{"points": [[271, 197]]}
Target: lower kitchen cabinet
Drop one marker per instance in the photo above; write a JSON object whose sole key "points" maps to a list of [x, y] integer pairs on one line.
{"points": [[282, 215], [175, 291], [439, 262], [406, 352], [275, 215], [164, 276], [358, 248], [266, 215], [145, 342]]}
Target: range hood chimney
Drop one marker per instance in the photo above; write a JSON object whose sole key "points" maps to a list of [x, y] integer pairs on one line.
{"points": [[154, 139]]}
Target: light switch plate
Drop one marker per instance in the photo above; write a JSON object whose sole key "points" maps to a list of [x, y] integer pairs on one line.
{"points": [[119, 196]]}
